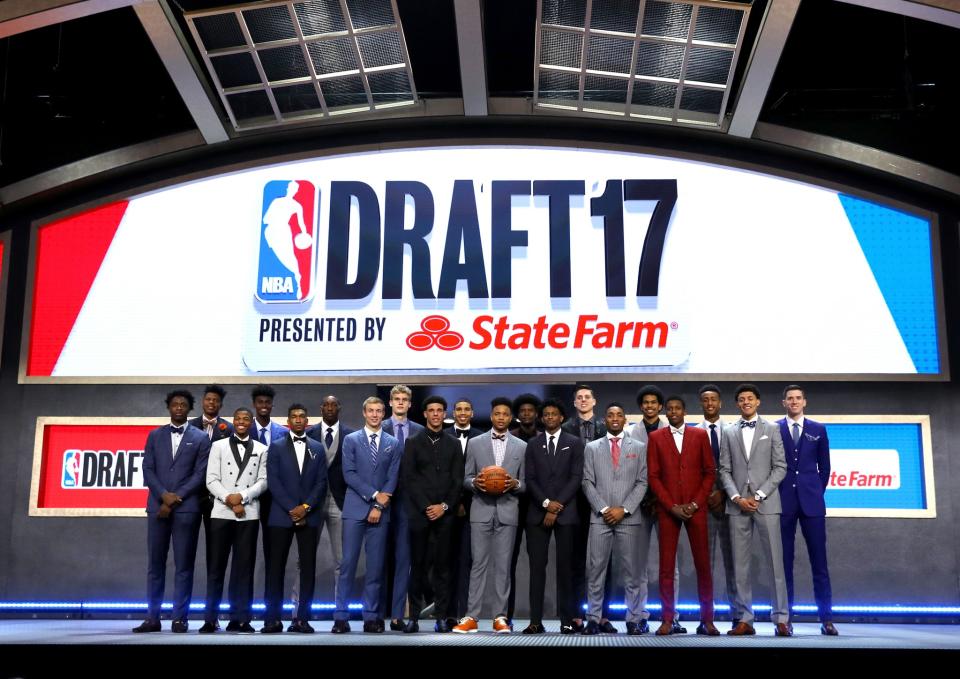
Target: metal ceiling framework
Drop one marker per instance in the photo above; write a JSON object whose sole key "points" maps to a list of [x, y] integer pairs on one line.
{"points": [[18, 16]]}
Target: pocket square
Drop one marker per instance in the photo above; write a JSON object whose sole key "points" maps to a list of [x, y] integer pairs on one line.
{"points": [[764, 437], [810, 437], [631, 456], [565, 448]]}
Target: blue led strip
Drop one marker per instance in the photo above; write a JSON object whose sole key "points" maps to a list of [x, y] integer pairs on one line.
{"points": [[897, 247]]}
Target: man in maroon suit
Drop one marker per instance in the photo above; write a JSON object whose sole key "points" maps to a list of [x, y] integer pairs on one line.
{"points": [[681, 472]]}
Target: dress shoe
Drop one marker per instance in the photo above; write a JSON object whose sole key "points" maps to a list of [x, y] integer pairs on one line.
{"points": [[534, 628], [147, 626], [607, 627], [300, 627], [340, 627], [397, 625], [232, 626], [567, 628], [708, 629], [373, 626], [502, 625], [734, 622], [829, 629], [179, 626], [442, 626], [275, 627], [665, 629], [209, 628], [782, 629], [591, 628], [467, 625], [245, 628], [411, 627], [577, 625], [743, 629], [635, 629], [677, 628]]}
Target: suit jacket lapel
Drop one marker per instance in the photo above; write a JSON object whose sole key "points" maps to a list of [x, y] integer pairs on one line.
{"points": [[245, 458]]}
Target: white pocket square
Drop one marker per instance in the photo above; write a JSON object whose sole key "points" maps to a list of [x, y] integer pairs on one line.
{"points": [[764, 437], [565, 448]]}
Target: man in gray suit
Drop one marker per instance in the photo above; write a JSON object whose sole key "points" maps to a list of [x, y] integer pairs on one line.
{"points": [[614, 482], [752, 465], [493, 516]]}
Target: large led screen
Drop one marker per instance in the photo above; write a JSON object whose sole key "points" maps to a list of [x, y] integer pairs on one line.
{"points": [[457, 261]]}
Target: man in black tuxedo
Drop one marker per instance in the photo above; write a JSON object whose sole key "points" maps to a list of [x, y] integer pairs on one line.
{"points": [[554, 471], [462, 430], [432, 477]]}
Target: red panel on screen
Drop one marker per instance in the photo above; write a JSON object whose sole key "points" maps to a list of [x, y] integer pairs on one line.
{"points": [[69, 254], [92, 466]]}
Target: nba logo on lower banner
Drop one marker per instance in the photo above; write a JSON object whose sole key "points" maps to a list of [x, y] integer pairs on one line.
{"points": [[71, 469], [288, 244]]}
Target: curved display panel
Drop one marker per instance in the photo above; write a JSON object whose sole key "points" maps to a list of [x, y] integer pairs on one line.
{"points": [[440, 263]]}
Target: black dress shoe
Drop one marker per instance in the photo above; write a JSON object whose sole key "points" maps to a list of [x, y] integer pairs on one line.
{"points": [[209, 628], [147, 626], [677, 628], [275, 627], [534, 628], [232, 626], [179, 626], [708, 629], [607, 627], [340, 627], [245, 628], [635, 629], [397, 625], [412, 627], [829, 629], [577, 626], [373, 626], [591, 628], [300, 627], [442, 626]]}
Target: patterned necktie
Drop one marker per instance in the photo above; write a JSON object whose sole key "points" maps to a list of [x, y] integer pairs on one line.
{"points": [[263, 435], [400, 437], [796, 434], [715, 443], [328, 439], [373, 448], [551, 447], [615, 452]]}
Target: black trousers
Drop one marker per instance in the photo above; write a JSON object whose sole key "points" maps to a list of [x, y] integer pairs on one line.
{"points": [[538, 548], [515, 557], [438, 537], [240, 538], [280, 540], [462, 558]]}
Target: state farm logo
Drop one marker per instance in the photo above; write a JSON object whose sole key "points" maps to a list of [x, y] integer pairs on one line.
{"points": [[435, 332]]}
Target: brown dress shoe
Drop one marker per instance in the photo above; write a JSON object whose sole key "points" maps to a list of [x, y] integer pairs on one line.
{"points": [[743, 629], [829, 629], [708, 629], [664, 629], [782, 629]]}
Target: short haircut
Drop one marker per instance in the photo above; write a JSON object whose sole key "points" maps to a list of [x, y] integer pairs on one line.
{"points": [[243, 409], [553, 403], [180, 392], [401, 389], [582, 387], [708, 387], [296, 406], [501, 401], [674, 397], [463, 399], [524, 399], [649, 390], [334, 397], [372, 400], [614, 404], [263, 390], [793, 387], [215, 389], [746, 386], [434, 398]]}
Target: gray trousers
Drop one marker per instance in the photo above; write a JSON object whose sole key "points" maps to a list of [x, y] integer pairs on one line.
{"points": [[648, 557], [718, 534], [490, 541], [332, 521], [600, 547], [767, 528]]}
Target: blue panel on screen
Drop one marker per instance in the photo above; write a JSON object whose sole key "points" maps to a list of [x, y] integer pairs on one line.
{"points": [[906, 440], [897, 247]]}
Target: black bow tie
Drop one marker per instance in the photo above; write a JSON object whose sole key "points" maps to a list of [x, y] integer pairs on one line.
{"points": [[299, 439], [240, 441], [176, 430], [463, 433], [744, 423], [500, 437]]}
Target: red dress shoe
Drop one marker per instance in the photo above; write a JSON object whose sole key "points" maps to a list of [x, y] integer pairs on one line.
{"points": [[782, 629], [743, 629]]}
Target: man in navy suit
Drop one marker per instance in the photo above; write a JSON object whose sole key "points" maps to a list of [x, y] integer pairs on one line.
{"points": [[397, 560], [266, 432], [216, 428], [371, 467], [297, 477], [807, 449], [331, 432], [174, 470]]}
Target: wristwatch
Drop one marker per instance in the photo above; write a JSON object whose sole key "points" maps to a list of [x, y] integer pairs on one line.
{"points": [[445, 506]]}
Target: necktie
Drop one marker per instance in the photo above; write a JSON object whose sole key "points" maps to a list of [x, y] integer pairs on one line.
{"points": [[373, 448], [586, 430], [615, 452], [263, 435], [176, 430], [328, 439], [796, 434], [715, 443], [551, 447], [400, 436], [744, 423]]}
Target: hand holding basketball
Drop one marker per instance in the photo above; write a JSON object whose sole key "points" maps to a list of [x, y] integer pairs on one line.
{"points": [[494, 479]]}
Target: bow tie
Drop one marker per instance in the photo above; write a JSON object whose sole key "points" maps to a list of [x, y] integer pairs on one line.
{"points": [[176, 430], [500, 437], [463, 433], [299, 439], [744, 423], [209, 423], [240, 441]]}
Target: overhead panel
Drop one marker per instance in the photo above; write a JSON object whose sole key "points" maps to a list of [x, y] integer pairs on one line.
{"points": [[639, 59], [278, 63]]}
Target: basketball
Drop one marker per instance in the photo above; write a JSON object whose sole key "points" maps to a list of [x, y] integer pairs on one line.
{"points": [[495, 478], [302, 241]]}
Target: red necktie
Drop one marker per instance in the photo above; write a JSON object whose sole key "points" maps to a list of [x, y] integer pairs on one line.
{"points": [[615, 452]]}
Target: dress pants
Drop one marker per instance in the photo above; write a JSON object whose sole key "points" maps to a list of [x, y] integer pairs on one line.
{"points": [[490, 541], [393, 597], [814, 529], [183, 529], [669, 535], [281, 539], [436, 535], [767, 530], [718, 535], [462, 563], [239, 538], [648, 526], [600, 547], [357, 534], [538, 549], [331, 519], [523, 504], [580, 540]]}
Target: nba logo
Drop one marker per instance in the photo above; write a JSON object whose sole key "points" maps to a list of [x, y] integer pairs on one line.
{"points": [[288, 244], [71, 469]]}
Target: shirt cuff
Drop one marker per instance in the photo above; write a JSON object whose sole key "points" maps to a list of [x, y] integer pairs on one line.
{"points": [[763, 496]]}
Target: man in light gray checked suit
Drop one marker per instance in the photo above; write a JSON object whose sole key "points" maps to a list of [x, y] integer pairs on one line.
{"points": [[614, 481], [752, 465], [493, 516]]}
